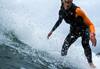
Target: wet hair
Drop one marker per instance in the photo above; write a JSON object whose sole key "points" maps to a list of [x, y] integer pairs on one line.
{"points": [[65, 0]]}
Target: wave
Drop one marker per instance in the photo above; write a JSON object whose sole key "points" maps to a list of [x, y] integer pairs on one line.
{"points": [[23, 43], [17, 55]]}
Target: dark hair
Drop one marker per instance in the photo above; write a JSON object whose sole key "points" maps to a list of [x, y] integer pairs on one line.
{"points": [[65, 0]]}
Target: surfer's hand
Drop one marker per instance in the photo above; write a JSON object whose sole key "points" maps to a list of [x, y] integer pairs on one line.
{"points": [[49, 34], [93, 39]]}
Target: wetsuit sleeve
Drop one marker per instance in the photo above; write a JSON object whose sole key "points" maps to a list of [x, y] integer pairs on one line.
{"points": [[61, 1], [81, 13], [58, 21]]}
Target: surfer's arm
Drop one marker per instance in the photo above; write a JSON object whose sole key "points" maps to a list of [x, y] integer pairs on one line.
{"points": [[87, 21], [58, 22], [79, 12]]}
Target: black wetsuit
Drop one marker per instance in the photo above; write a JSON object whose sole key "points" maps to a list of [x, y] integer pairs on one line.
{"points": [[77, 29]]}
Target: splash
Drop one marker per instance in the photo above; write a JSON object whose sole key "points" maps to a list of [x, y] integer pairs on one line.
{"points": [[32, 20]]}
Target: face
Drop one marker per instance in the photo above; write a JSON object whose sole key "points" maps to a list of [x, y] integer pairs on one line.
{"points": [[67, 4]]}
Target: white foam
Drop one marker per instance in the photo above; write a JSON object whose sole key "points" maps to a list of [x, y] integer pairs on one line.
{"points": [[31, 20]]}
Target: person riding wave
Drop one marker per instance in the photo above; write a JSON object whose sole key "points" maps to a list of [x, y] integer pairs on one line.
{"points": [[80, 26]]}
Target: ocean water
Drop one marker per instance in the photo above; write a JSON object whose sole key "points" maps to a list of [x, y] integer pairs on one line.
{"points": [[24, 26], [15, 54]]}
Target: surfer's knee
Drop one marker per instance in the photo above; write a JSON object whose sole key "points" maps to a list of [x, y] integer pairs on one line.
{"points": [[63, 52]]}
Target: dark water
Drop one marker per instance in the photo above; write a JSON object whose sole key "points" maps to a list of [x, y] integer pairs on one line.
{"points": [[14, 54]]}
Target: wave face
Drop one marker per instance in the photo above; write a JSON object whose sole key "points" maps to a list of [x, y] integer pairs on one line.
{"points": [[23, 44], [15, 54]]}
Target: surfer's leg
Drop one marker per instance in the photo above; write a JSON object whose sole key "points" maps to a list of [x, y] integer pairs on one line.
{"points": [[87, 49], [86, 46], [67, 42]]}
